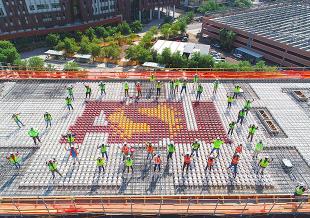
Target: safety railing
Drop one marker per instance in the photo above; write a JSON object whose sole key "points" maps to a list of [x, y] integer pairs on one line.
{"points": [[155, 205]]}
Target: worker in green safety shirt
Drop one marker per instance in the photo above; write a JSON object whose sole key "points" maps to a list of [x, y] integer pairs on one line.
{"points": [[16, 118], [126, 89], [247, 106], [158, 88], [70, 137], [48, 119], [241, 116], [299, 190], [184, 84], [263, 164], [14, 159], [87, 91], [216, 84], [152, 81], [34, 134], [195, 82], [52, 166], [171, 150], [252, 130], [100, 164], [217, 143], [195, 147], [104, 150], [177, 84], [129, 164], [232, 126], [230, 100], [172, 88], [70, 92], [258, 148], [69, 103], [102, 88], [199, 92], [237, 91]]}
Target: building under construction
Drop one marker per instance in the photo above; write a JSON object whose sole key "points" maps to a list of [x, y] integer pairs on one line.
{"points": [[280, 110], [279, 32]]}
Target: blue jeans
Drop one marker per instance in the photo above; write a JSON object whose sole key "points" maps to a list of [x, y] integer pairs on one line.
{"points": [[217, 150], [101, 168], [48, 123], [18, 122], [195, 151], [69, 106], [104, 154], [235, 166], [17, 165]]}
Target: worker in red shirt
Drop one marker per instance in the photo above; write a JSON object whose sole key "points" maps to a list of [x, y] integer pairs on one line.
{"points": [[157, 162], [125, 151], [210, 162], [187, 162], [149, 150], [239, 149], [234, 164], [139, 89]]}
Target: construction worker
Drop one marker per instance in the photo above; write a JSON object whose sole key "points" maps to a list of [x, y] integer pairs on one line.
{"points": [[239, 149], [100, 164], [70, 92], [129, 164], [73, 153], [139, 89], [234, 164], [216, 84], [195, 81], [126, 89], [258, 148], [299, 190], [14, 159], [230, 100], [52, 166], [217, 143], [252, 130], [152, 79], [172, 88], [210, 162], [16, 118], [87, 91], [195, 147], [125, 150], [171, 150], [149, 150], [70, 137], [48, 119], [263, 164], [199, 92], [158, 88], [184, 84], [177, 84], [102, 88], [34, 134], [104, 150], [157, 162], [247, 106], [241, 116], [69, 103], [232, 126], [187, 162], [237, 91]]}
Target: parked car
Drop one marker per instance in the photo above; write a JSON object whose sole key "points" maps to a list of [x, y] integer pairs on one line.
{"points": [[239, 56], [216, 45]]}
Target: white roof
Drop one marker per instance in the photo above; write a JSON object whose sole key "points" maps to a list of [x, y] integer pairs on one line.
{"points": [[83, 56], [182, 47], [152, 64], [54, 52]]}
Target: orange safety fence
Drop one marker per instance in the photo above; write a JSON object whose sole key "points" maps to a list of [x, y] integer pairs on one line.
{"points": [[160, 75], [155, 205]]}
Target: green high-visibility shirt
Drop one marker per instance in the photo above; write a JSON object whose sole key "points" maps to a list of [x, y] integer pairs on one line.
{"points": [[171, 148], [232, 125], [184, 84], [200, 89], [299, 190], [70, 138], [248, 105], [103, 148], [100, 162], [259, 147], [196, 78], [158, 85], [195, 145], [264, 163], [216, 84], [171, 85], [129, 162], [126, 86], [230, 99], [152, 78], [102, 86], [217, 143], [237, 89], [88, 90], [70, 91], [52, 166], [241, 113], [252, 130], [47, 117], [68, 101], [15, 159], [33, 133], [177, 82]]}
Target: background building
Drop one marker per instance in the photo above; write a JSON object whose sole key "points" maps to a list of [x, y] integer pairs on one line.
{"points": [[19, 18], [281, 32]]}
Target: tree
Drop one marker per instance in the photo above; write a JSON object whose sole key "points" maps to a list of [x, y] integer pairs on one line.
{"points": [[227, 38], [101, 32], [136, 26], [52, 39], [245, 66], [153, 30], [178, 61], [165, 30], [85, 45], [210, 5], [22, 64], [165, 57], [147, 40], [60, 46], [8, 53], [70, 45], [243, 3], [112, 51], [139, 53], [124, 28], [95, 50], [201, 61], [71, 66], [90, 33], [36, 63]]}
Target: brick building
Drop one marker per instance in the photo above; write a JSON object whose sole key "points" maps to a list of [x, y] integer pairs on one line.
{"points": [[19, 18]]}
